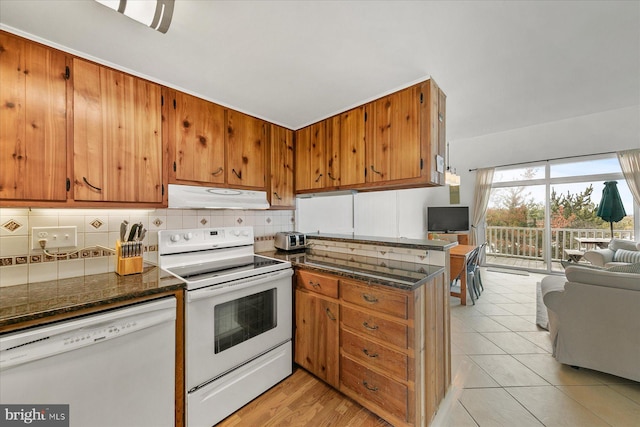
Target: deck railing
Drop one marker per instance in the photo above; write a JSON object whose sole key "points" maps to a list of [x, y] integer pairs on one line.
{"points": [[526, 242]]}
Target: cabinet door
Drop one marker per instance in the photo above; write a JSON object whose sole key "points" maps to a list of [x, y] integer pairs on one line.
{"points": [[352, 147], [33, 154], [281, 178], [116, 132], [332, 153], [310, 157], [317, 336], [199, 139], [393, 136], [247, 139]]}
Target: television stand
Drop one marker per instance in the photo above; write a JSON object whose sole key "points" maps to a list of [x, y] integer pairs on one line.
{"points": [[462, 238]]}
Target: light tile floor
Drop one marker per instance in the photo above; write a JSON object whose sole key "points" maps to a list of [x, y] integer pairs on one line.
{"points": [[503, 373]]}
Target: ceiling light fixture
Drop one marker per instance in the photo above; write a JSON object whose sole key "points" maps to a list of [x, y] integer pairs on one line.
{"points": [[156, 14]]}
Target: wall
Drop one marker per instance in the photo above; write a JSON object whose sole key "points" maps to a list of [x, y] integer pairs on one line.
{"points": [[392, 213], [19, 264], [608, 131]]}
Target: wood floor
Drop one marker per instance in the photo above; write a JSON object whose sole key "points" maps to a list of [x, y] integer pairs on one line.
{"points": [[303, 400]]}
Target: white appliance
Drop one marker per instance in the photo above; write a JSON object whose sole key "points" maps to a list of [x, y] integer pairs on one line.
{"points": [[238, 318], [115, 368], [194, 197]]}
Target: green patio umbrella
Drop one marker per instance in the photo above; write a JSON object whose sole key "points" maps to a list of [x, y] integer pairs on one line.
{"points": [[611, 208]]}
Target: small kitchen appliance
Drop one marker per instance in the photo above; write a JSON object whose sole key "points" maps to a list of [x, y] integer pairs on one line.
{"points": [[290, 241], [238, 318]]}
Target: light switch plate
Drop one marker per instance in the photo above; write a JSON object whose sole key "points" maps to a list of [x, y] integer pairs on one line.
{"points": [[57, 237]]}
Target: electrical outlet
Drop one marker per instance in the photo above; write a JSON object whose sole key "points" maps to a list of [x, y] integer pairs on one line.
{"points": [[56, 237]]}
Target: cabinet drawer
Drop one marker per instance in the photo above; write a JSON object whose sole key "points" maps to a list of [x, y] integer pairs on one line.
{"points": [[386, 393], [369, 325], [375, 355], [393, 303], [325, 285]]}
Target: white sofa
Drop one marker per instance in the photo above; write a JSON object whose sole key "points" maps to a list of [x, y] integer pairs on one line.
{"points": [[619, 252], [594, 319]]}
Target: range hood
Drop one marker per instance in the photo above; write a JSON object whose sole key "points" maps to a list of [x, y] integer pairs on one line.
{"points": [[192, 197]]}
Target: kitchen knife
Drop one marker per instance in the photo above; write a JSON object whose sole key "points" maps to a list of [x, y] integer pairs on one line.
{"points": [[123, 230], [142, 234], [132, 234]]}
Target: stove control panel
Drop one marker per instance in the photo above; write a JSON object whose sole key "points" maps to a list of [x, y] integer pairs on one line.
{"points": [[198, 239]]}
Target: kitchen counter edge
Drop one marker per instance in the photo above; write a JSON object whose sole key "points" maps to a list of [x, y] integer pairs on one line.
{"points": [[108, 290], [296, 262]]}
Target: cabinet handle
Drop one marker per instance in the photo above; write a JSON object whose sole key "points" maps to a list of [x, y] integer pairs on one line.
{"points": [[368, 387], [371, 328], [329, 174], [239, 175], [314, 285], [365, 351], [89, 184], [329, 314], [277, 197], [318, 178], [217, 172], [375, 171], [369, 298]]}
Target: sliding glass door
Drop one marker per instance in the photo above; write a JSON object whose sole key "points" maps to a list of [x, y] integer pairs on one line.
{"points": [[541, 214]]}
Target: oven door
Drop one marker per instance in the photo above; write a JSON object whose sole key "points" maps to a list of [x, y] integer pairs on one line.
{"points": [[232, 323]]}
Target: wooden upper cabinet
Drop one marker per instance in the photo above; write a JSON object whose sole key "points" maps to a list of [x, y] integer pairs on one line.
{"points": [[117, 144], [310, 157], [393, 148], [247, 141], [437, 136], [33, 153], [198, 153], [392, 142], [281, 171]]}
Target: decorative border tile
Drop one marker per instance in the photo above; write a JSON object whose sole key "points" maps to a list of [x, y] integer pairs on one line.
{"points": [[11, 225]]}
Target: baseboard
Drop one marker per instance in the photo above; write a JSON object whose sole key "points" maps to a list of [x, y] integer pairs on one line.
{"points": [[508, 271]]}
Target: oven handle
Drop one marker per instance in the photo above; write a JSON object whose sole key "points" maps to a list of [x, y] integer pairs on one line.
{"points": [[239, 284]]}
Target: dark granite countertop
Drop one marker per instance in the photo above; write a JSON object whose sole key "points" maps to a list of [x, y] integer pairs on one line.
{"points": [[395, 274], [40, 300], [426, 244]]}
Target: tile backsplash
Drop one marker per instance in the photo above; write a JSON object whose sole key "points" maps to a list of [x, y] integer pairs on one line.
{"points": [[20, 264]]}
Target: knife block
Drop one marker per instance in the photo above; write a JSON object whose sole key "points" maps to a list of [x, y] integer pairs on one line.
{"points": [[127, 265]]}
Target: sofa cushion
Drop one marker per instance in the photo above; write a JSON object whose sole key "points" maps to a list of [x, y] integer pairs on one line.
{"points": [[624, 255], [628, 245], [612, 279], [627, 268]]}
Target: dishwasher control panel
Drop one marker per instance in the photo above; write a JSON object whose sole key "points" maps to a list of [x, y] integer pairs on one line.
{"points": [[100, 334]]}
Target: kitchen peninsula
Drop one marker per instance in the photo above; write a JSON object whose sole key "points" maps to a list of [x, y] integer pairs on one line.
{"points": [[372, 320]]}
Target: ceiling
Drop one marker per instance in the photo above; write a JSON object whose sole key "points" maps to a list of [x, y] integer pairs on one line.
{"points": [[503, 65]]}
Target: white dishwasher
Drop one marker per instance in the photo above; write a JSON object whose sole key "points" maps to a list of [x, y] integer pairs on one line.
{"points": [[115, 368]]}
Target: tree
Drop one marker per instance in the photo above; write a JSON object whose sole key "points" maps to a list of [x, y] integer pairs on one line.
{"points": [[574, 210]]}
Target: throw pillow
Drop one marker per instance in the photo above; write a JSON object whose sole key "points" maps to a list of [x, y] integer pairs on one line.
{"points": [[623, 255], [631, 268], [627, 245]]}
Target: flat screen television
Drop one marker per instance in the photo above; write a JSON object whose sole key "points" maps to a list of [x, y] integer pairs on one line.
{"points": [[447, 218]]}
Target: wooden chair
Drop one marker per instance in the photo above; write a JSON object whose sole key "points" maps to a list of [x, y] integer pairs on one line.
{"points": [[470, 270]]}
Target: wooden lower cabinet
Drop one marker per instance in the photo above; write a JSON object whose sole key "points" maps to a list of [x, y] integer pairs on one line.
{"points": [[394, 344], [316, 338]]}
